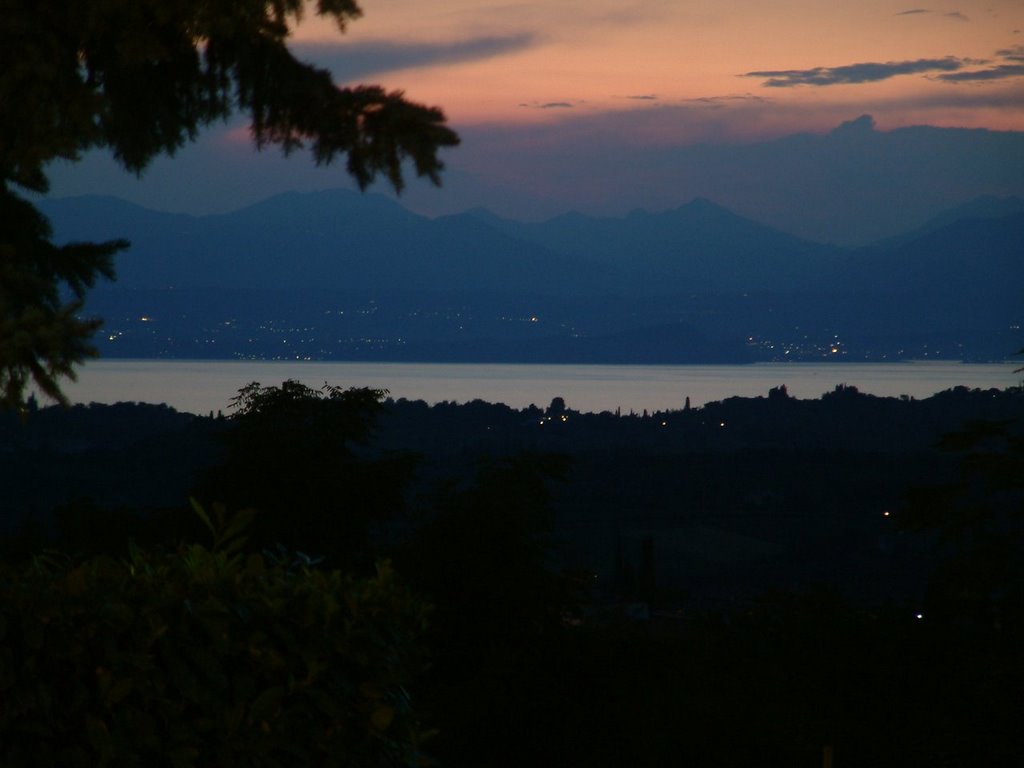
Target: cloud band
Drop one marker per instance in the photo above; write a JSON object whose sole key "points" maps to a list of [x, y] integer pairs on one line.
{"points": [[867, 72]]}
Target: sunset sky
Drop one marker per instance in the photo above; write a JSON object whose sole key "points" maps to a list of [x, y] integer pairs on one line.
{"points": [[760, 66], [555, 99]]}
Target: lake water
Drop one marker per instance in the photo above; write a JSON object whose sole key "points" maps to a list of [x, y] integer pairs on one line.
{"points": [[204, 386]]}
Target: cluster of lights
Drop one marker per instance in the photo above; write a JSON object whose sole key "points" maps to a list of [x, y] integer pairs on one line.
{"points": [[563, 418], [804, 347]]}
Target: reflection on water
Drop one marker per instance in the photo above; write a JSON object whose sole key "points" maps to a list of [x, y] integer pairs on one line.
{"points": [[203, 386]]}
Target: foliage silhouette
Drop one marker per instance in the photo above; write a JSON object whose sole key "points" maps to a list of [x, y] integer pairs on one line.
{"points": [[978, 517], [484, 562], [766, 681], [141, 78], [41, 333], [484, 557], [204, 656], [296, 455]]}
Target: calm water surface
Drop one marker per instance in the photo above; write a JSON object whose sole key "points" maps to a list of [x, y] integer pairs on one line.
{"points": [[204, 386]]}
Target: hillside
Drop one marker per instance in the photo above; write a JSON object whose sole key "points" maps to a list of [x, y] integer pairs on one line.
{"points": [[337, 275]]}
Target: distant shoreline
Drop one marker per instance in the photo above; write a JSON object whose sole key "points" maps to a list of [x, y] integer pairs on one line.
{"points": [[368, 360], [201, 386]]}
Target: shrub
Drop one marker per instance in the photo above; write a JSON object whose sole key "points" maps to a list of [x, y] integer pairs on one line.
{"points": [[205, 657]]}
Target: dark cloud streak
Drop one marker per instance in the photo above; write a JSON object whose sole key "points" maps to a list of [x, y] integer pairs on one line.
{"points": [[548, 105], [866, 72], [1013, 66], [349, 61], [720, 100], [955, 15], [999, 72]]}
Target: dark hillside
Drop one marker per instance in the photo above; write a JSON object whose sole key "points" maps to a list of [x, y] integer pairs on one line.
{"points": [[729, 585], [733, 496]]}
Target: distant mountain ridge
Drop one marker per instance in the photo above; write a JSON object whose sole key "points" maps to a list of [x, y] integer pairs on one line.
{"points": [[369, 242], [685, 279], [700, 243], [349, 241], [986, 207]]}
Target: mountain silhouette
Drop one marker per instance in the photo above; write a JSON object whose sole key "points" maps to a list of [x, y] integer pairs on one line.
{"points": [[347, 241], [699, 246], [697, 283], [984, 207]]}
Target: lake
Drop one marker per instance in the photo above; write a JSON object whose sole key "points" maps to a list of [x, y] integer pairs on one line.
{"points": [[204, 386]]}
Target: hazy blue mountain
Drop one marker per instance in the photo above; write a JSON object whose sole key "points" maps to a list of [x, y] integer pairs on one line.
{"points": [[343, 240], [285, 241], [701, 245], [464, 253], [955, 292], [339, 275], [976, 264], [984, 207], [101, 217], [962, 255]]}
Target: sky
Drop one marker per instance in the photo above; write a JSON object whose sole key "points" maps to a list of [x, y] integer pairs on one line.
{"points": [[780, 64], [605, 106]]}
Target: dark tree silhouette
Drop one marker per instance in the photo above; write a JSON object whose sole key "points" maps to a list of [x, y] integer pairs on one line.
{"points": [[200, 656], [141, 78], [298, 456], [979, 517], [41, 333]]}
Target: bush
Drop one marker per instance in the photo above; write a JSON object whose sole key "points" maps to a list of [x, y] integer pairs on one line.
{"points": [[205, 657]]}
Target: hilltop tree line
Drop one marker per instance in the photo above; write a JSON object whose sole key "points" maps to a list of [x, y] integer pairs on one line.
{"points": [[481, 626]]}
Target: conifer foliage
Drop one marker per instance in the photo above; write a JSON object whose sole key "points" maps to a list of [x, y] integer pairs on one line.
{"points": [[140, 78]]}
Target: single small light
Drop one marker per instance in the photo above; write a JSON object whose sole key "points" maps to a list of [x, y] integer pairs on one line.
{"points": [[886, 513], [919, 615]]}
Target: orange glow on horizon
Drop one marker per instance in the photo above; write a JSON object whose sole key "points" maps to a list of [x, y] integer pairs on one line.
{"points": [[580, 58]]}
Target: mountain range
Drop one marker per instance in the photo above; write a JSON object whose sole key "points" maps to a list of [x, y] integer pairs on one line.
{"points": [[697, 280]]}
